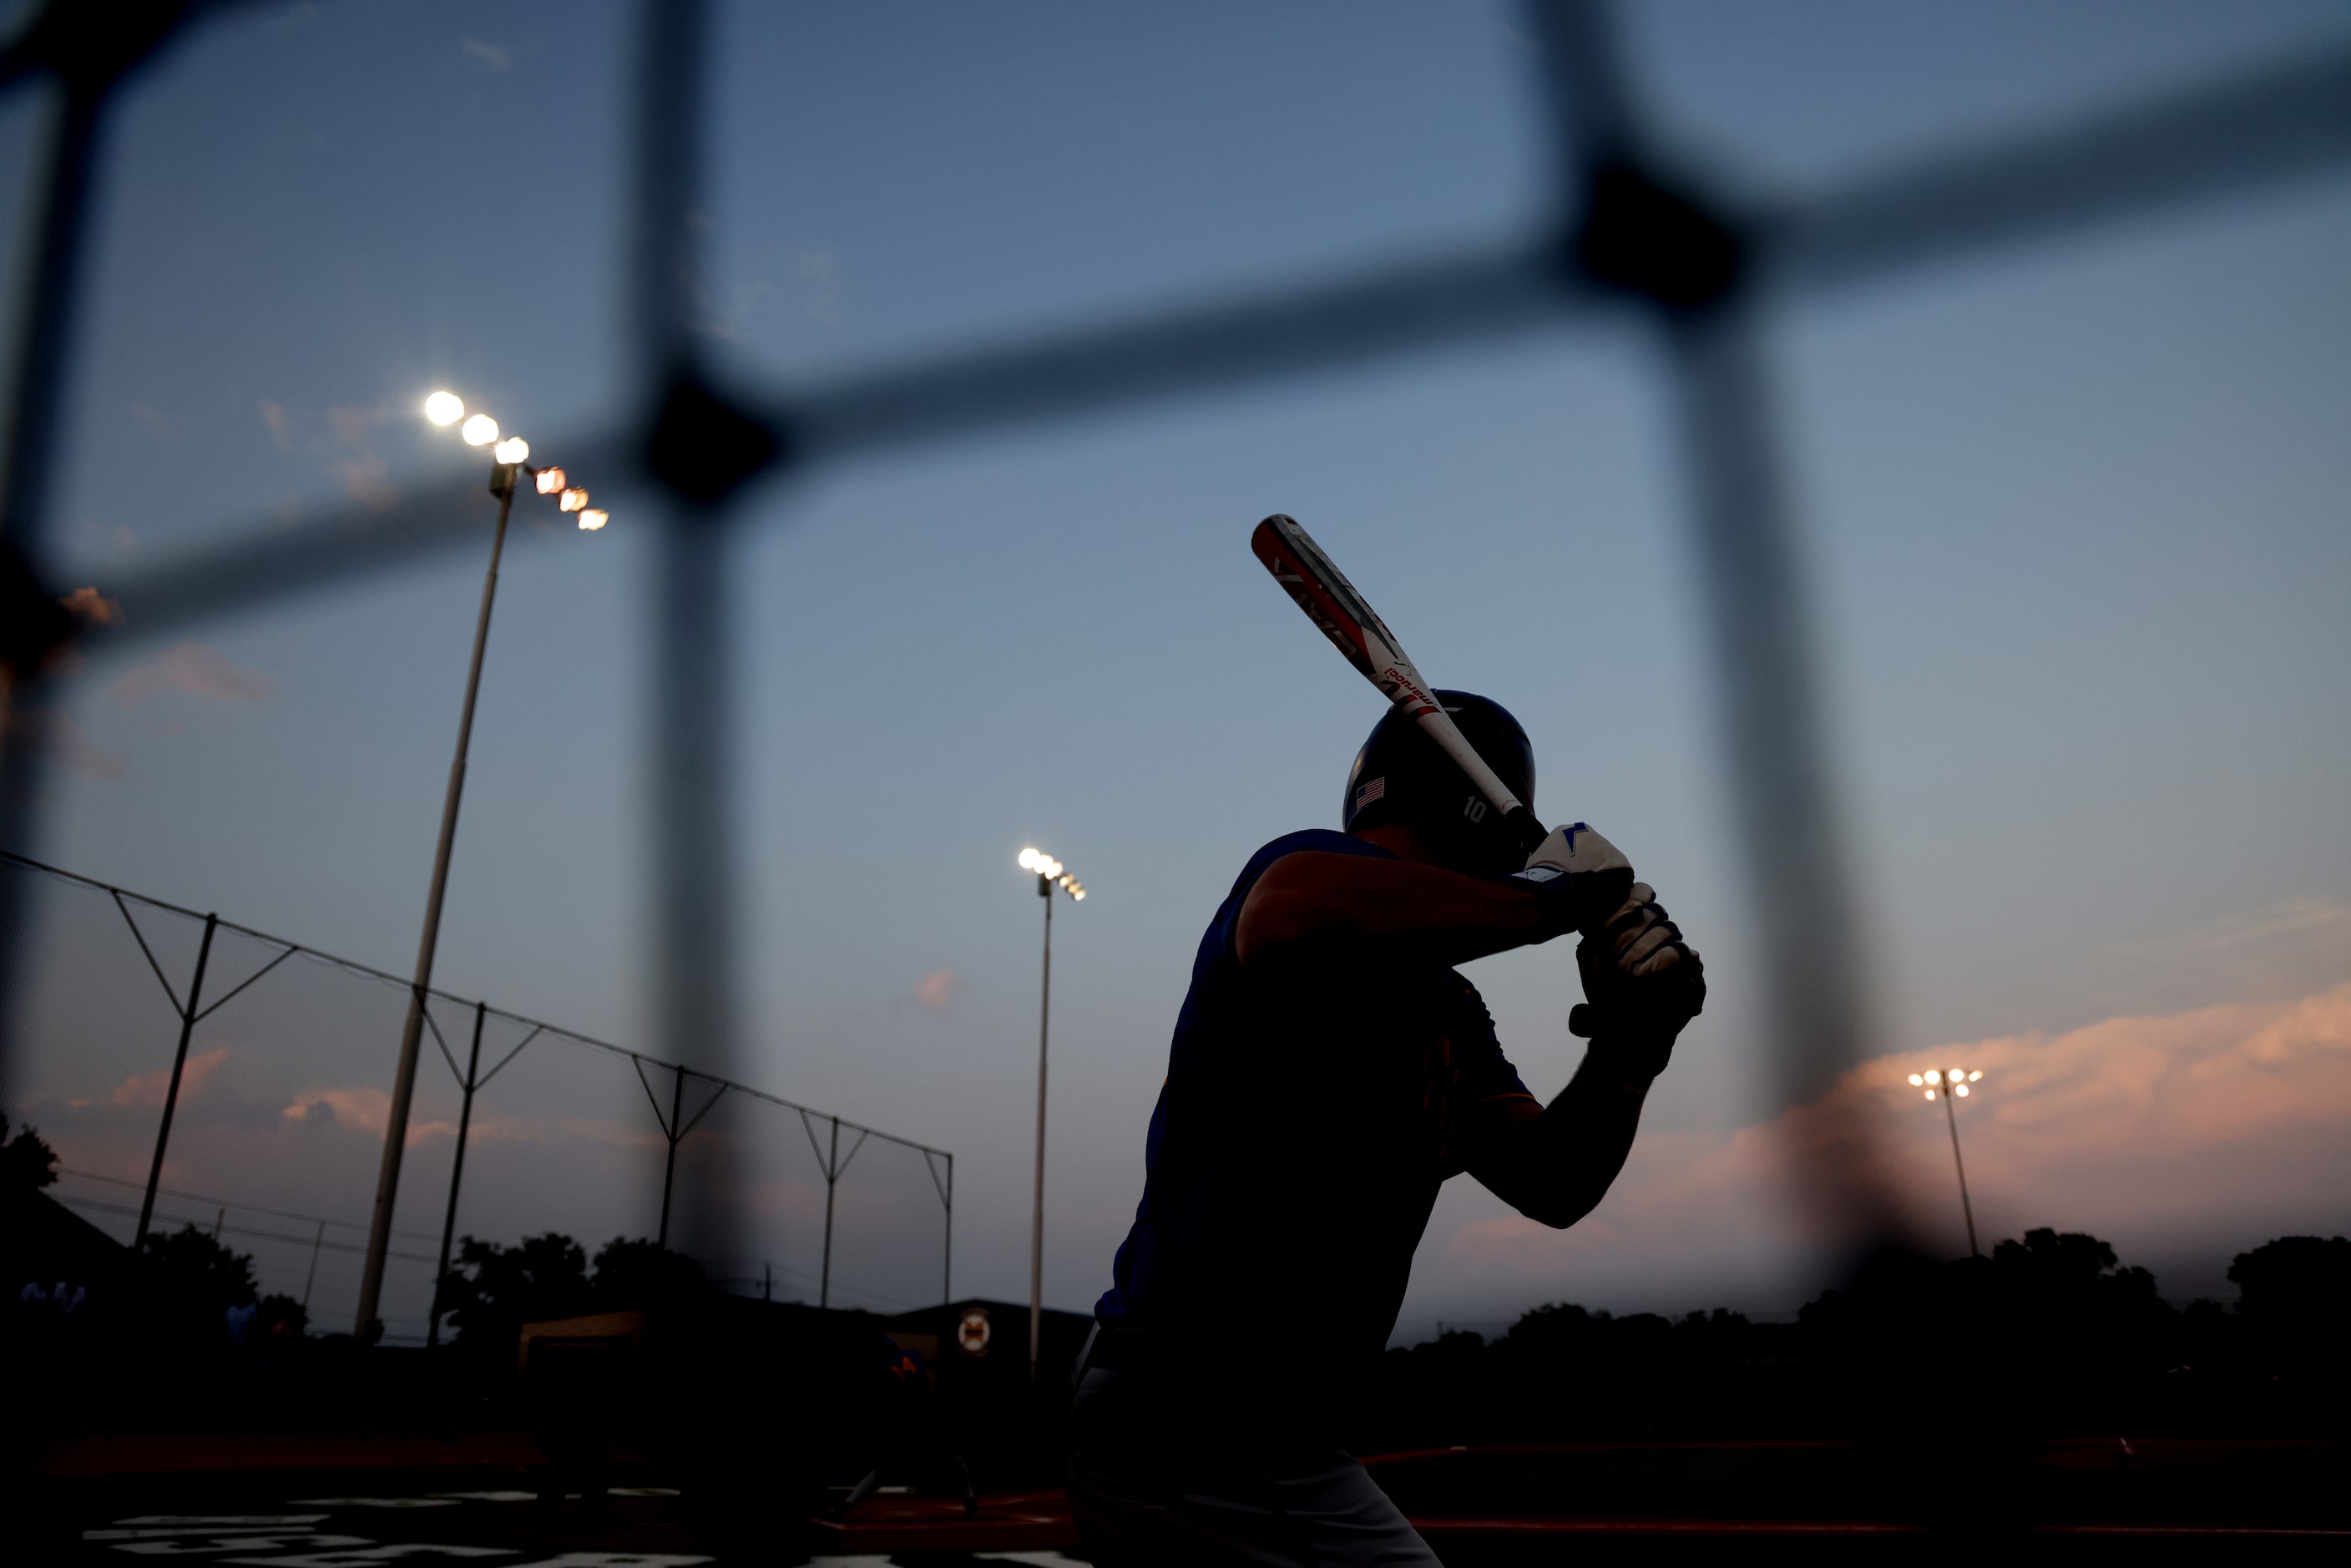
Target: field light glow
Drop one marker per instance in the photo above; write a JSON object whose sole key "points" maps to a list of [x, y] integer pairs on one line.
{"points": [[513, 449], [444, 408], [479, 430], [595, 518], [550, 481], [572, 501]]}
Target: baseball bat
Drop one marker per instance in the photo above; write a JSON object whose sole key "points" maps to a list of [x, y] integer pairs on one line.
{"points": [[1331, 602]]}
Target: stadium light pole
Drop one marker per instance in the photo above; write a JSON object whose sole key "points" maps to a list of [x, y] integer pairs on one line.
{"points": [[1947, 1086], [1051, 874], [509, 457]]}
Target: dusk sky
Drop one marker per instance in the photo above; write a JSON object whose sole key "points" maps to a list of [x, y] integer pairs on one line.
{"points": [[2075, 517]]}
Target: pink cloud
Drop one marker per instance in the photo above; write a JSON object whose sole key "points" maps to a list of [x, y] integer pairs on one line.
{"points": [[2223, 1119], [360, 1111], [937, 989], [368, 1110], [196, 670], [149, 1088]]}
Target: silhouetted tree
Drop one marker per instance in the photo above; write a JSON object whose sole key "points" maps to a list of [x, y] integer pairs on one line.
{"points": [[2295, 1299], [282, 1317], [193, 1280], [26, 1163], [642, 1273], [493, 1290]]}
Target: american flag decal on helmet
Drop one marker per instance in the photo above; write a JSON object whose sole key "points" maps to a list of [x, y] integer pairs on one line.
{"points": [[1371, 791]]}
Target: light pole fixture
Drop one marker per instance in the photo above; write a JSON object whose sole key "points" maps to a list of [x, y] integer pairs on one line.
{"points": [[1051, 874], [1947, 1085], [509, 459]]}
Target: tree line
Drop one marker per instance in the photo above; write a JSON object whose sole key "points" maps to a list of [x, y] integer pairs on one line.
{"points": [[2050, 1332]]}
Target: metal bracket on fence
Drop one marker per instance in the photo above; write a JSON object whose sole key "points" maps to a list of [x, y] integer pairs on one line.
{"points": [[672, 1128], [931, 1160], [832, 1161], [469, 1083], [190, 1015]]}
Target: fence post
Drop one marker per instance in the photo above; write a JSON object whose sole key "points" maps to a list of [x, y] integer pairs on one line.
{"points": [[312, 1277], [832, 1178], [669, 1170], [456, 1173], [172, 1093]]}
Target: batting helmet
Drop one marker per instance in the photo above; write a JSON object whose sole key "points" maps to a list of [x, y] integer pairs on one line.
{"points": [[1401, 776]]}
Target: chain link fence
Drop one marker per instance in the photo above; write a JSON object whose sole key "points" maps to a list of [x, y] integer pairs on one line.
{"points": [[241, 1076]]}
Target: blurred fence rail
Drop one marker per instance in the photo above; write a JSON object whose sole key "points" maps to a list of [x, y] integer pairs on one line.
{"points": [[176, 1058]]}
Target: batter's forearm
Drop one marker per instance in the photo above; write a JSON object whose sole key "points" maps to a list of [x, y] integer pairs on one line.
{"points": [[1573, 1151], [1403, 911]]}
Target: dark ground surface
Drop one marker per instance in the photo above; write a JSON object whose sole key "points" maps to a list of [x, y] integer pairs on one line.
{"points": [[478, 1500]]}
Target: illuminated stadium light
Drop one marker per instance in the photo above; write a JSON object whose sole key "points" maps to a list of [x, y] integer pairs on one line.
{"points": [[1956, 1079], [444, 408], [595, 518], [571, 500], [549, 480], [479, 430], [1916, 1080], [513, 449], [1050, 873]]}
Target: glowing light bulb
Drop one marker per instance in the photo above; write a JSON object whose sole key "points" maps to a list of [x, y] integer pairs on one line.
{"points": [[571, 500], [1961, 1090], [444, 408], [513, 449], [550, 481], [1973, 1077], [479, 430], [1930, 1094], [594, 518], [1933, 1076], [1916, 1080]]}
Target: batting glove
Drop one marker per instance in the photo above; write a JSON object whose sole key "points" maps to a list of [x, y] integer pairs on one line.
{"points": [[1642, 983], [1578, 876]]}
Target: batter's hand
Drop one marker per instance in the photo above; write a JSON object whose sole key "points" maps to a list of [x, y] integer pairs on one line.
{"points": [[1642, 982], [1580, 877]]}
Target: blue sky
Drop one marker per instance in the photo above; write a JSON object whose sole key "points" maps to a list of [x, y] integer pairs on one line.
{"points": [[2074, 515]]}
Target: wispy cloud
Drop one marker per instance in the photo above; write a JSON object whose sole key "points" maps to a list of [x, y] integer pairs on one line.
{"points": [[368, 1110], [195, 670], [359, 1110], [487, 57], [149, 1088], [938, 989], [2295, 917]]}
